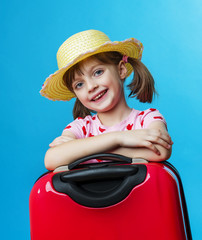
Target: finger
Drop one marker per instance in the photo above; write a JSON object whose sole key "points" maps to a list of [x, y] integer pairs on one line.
{"points": [[53, 144], [56, 142], [159, 141], [152, 147], [166, 137], [161, 135], [59, 140]]}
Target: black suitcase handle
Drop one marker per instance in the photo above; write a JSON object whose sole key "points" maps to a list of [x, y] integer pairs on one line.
{"points": [[98, 173], [101, 156], [100, 185]]}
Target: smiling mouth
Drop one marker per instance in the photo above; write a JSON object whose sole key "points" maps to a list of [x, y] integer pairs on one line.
{"points": [[99, 95]]}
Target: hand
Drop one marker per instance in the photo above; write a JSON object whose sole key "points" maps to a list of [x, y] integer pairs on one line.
{"points": [[59, 140], [146, 138]]}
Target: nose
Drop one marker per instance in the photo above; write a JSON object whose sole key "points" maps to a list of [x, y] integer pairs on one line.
{"points": [[92, 85]]}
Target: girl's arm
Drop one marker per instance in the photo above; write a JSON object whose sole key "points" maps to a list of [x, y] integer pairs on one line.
{"points": [[152, 143], [67, 148], [147, 153]]}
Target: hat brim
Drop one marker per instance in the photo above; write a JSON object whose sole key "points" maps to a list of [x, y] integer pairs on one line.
{"points": [[54, 88]]}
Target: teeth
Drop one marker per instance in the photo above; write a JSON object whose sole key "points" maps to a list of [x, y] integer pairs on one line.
{"points": [[98, 96]]}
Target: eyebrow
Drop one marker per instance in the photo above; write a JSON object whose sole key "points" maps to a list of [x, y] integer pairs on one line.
{"points": [[80, 73], [96, 65]]}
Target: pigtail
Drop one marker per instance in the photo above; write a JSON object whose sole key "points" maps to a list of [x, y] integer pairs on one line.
{"points": [[142, 85]]}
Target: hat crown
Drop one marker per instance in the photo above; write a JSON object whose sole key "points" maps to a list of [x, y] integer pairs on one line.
{"points": [[79, 44]]}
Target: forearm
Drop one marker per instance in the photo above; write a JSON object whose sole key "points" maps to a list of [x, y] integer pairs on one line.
{"points": [[70, 151], [145, 153], [150, 144]]}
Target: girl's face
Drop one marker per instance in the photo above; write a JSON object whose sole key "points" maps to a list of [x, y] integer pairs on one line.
{"points": [[99, 86]]}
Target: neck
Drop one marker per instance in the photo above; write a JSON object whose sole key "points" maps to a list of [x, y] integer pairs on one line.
{"points": [[115, 115]]}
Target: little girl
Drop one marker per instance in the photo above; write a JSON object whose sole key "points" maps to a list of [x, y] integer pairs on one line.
{"points": [[93, 69]]}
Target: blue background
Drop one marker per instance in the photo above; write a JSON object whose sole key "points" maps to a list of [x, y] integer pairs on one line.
{"points": [[32, 31]]}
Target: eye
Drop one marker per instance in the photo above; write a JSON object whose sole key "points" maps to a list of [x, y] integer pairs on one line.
{"points": [[98, 72], [78, 85]]}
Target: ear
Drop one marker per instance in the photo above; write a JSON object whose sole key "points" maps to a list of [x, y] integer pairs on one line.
{"points": [[122, 70]]}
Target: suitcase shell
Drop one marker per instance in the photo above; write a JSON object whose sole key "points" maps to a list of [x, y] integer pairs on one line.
{"points": [[153, 209]]}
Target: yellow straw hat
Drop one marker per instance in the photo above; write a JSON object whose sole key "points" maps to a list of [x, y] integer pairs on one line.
{"points": [[77, 48]]}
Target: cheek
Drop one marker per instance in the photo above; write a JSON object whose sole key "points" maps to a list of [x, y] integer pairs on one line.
{"points": [[81, 96], [118, 86]]}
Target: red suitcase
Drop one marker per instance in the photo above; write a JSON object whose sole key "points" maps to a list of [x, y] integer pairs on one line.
{"points": [[111, 200]]}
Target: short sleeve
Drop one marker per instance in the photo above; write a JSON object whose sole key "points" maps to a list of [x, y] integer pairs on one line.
{"points": [[77, 127], [150, 115]]}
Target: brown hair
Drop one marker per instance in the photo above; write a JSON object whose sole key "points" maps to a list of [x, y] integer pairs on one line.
{"points": [[141, 86]]}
